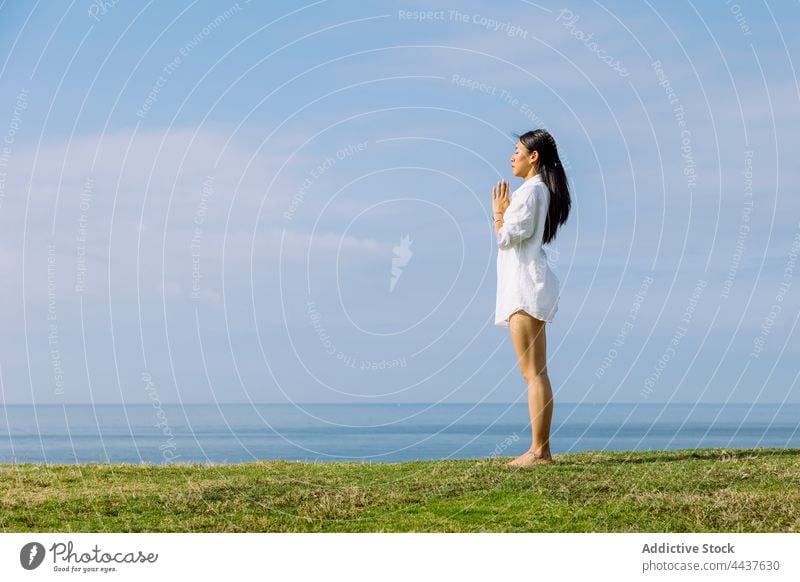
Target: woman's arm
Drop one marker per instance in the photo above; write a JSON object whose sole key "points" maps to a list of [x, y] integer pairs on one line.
{"points": [[518, 223], [498, 222]]}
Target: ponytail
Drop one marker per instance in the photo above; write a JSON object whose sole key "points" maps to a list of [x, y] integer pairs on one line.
{"points": [[553, 175]]}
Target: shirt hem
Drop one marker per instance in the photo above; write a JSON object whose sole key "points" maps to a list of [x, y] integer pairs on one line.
{"points": [[537, 313]]}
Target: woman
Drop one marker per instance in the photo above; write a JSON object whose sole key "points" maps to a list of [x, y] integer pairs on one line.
{"points": [[527, 289]]}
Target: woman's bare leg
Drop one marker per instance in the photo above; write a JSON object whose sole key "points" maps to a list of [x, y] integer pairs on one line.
{"points": [[530, 344]]}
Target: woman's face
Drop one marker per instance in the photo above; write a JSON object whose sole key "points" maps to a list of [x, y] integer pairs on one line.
{"points": [[522, 162]]}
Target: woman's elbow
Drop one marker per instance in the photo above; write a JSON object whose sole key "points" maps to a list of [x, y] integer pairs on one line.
{"points": [[503, 240]]}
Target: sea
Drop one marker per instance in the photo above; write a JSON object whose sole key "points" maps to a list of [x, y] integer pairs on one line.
{"points": [[382, 433]]}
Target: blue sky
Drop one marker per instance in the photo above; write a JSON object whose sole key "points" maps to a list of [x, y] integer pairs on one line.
{"points": [[212, 194]]}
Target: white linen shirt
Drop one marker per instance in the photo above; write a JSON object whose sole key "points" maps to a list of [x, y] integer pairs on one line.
{"points": [[524, 278]]}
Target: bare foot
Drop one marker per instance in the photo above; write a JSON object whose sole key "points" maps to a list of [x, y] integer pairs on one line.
{"points": [[529, 458]]}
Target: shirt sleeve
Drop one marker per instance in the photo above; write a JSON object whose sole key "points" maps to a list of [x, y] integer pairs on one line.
{"points": [[519, 222]]}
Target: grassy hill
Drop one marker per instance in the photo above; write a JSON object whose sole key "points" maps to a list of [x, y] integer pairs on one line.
{"points": [[696, 490]]}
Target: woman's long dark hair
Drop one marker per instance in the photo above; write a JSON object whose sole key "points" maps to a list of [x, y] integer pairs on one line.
{"points": [[553, 175]]}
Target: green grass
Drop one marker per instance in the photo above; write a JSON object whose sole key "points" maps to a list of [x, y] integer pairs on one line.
{"points": [[695, 490]]}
